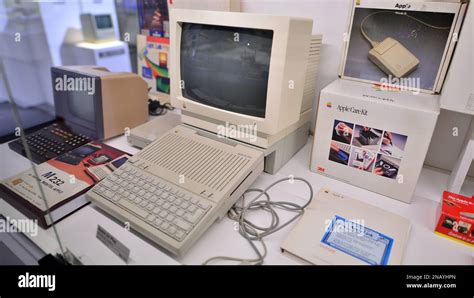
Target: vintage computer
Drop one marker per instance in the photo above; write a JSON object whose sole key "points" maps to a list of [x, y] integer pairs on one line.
{"points": [[227, 69], [97, 28], [91, 103]]}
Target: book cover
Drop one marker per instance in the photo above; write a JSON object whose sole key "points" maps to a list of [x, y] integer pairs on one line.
{"points": [[63, 179]]}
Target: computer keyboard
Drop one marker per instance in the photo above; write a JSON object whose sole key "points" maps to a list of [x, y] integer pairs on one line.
{"points": [[176, 187], [49, 142], [170, 209]]}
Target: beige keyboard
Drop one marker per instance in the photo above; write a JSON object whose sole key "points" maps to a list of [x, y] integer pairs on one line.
{"points": [[169, 209]]}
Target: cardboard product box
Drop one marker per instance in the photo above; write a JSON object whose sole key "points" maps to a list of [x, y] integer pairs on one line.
{"points": [[373, 139], [408, 45], [456, 218], [153, 66]]}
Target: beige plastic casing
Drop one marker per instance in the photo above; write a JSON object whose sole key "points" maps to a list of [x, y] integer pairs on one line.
{"points": [[290, 48], [124, 99], [393, 58], [237, 177]]}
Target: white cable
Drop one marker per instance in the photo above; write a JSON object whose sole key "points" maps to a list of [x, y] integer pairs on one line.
{"points": [[374, 43], [252, 231]]}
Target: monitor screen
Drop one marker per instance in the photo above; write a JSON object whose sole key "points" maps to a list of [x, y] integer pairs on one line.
{"points": [[81, 105], [76, 99], [103, 21], [226, 67]]}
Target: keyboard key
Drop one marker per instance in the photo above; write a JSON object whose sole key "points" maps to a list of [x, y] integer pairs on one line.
{"points": [[143, 204], [165, 226], [160, 202], [173, 209], [194, 217], [107, 183], [158, 222], [170, 217], [171, 230], [192, 208], [163, 214], [153, 199], [182, 224], [166, 205], [204, 205], [151, 218], [108, 194], [180, 212], [133, 208], [179, 235], [157, 210], [150, 207]]}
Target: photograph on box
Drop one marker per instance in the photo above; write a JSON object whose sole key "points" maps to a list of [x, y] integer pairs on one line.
{"points": [[393, 144], [342, 131], [387, 166], [397, 48], [362, 159], [367, 137], [368, 149], [339, 152], [153, 17]]}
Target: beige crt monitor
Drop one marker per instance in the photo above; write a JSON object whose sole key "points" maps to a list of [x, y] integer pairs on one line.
{"points": [[286, 65], [99, 103]]}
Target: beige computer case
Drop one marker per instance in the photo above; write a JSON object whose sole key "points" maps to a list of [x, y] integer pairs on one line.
{"points": [[124, 103]]}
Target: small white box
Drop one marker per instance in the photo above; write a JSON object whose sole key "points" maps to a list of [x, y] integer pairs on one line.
{"points": [[373, 139], [408, 45]]}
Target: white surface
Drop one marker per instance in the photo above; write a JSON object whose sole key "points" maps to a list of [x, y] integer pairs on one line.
{"points": [[78, 230], [458, 92], [463, 163]]}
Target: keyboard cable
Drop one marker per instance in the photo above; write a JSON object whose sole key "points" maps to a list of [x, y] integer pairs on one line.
{"points": [[253, 232]]}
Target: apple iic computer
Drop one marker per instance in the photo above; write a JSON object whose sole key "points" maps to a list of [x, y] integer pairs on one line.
{"points": [[245, 105]]}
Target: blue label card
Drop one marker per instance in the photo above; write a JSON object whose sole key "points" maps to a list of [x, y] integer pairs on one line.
{"points": [[358, 241]]}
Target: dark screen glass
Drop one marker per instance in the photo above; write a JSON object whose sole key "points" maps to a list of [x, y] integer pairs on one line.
{"points": [[103, 21], [74, 98], [226, 67]]}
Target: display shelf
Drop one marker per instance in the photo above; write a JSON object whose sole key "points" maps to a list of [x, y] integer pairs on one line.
{"points": [[78, 230]]}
